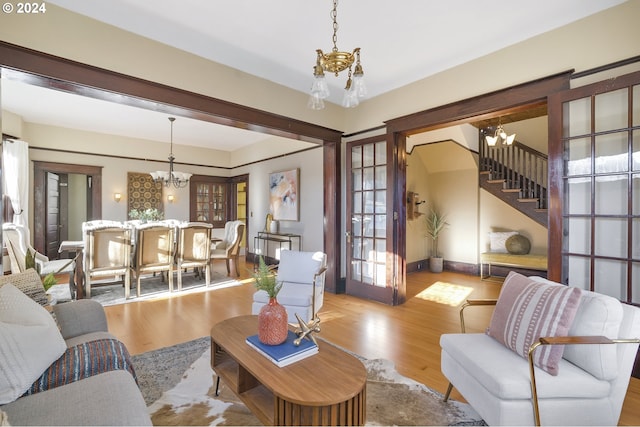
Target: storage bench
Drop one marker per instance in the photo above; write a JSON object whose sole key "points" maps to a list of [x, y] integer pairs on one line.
{"points": [[528, 261]]}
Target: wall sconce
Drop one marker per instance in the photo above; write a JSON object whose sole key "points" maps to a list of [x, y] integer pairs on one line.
{"points": [[170, 198], [117, 197]]}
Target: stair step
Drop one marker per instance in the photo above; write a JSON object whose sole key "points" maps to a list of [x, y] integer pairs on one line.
{"points": [[485, 172], [528, 200], [495, 181], [541, 210], [511, 190]]}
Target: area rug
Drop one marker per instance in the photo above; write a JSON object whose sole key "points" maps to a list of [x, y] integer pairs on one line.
{"points": [[178, 386], [151, 287]]}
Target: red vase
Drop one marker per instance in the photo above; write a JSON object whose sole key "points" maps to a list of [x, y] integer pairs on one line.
{"points": [[272, 323]]}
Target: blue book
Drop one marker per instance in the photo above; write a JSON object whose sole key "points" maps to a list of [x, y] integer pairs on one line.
{"points": [[286, 353]]}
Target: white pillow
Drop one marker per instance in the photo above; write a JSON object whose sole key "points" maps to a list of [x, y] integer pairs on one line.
{"points": [[498, 240], [29, 342]]}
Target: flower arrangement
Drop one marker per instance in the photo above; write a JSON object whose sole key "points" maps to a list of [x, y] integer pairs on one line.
{"points": [[149, 214], [266, 279]]}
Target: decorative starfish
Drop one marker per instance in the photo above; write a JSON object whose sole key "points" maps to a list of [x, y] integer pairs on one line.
{"points": [[306, 330]]}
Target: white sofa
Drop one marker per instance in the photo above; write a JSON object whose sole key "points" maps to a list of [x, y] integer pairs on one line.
{"points": [[590, 384]]}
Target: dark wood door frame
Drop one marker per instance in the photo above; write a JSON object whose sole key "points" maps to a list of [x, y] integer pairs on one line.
{"points": [[507, 101], [40, 170], [41, 69]]}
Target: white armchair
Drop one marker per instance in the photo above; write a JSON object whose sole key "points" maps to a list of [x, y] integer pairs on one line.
{"points": [[506, 388], [302, 292], [17, 244]]}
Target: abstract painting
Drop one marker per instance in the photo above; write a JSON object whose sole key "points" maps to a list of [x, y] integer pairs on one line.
{"points": [[284, 195]]}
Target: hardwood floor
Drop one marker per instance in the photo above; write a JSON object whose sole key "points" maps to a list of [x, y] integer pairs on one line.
{"points": [[408, 334]]}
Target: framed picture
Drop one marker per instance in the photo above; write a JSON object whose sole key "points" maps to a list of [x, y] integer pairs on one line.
{"points": [[143, 193], [284, 195]]}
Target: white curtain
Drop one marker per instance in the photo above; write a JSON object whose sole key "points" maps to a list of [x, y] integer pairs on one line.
{"points": [[15, 174]]}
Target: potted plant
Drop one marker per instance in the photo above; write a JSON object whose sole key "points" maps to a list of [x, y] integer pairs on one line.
{"points": [[149, 214], [272, 319], [436, 222]]}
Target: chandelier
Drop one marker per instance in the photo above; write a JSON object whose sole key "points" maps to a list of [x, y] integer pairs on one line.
{"points": [[336, 62], [177, 179], [500, 135]]}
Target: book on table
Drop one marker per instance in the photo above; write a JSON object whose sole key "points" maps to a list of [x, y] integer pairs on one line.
{"points": [[286, 353]]}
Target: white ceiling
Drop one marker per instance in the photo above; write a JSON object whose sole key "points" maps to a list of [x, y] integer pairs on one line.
{"points": [[401, 42]]}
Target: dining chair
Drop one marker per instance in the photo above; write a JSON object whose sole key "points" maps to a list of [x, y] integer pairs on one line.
{"points": [[194, 249], [229, 248], [153, 252], [107, 253], [17, 244]]}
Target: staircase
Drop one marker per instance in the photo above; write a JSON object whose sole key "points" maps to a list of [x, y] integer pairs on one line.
{"points": [[516, 174]]}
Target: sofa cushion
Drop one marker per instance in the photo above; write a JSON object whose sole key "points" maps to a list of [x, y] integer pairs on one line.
{"points": [[498, 240], [527, 310], [110, 399], [29, 283], [597, 315], [29, 342]]}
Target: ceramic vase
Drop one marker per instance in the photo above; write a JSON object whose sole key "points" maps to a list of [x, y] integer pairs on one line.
{"points": [[272, 323]]}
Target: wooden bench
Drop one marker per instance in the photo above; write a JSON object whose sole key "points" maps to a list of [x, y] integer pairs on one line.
{"points": [[529, 262]]}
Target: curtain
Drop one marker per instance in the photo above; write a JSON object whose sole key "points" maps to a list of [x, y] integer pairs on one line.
{"points": [[15, 171]]}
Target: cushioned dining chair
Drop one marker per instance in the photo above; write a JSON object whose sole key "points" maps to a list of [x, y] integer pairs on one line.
{"points": [[552, 355], [16, 242], [302, 275], [229, 248], [194, 249], [107, 253], [154, 251]]}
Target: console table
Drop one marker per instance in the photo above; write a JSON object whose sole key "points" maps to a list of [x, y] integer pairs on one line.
{"points": [[262, 241], [327, 388]]}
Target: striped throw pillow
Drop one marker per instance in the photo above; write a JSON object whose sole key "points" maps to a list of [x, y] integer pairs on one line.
{"points": [[527, 310]]}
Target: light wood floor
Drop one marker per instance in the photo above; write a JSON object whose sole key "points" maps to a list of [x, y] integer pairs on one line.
{"points": [[408, 334]]}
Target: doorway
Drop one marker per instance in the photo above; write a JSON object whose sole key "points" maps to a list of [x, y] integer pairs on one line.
{"points": [[65, 195]]}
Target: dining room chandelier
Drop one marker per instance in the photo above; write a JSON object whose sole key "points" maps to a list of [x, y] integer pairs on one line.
{"points": [[335, 62], [175, 178], [500, 135]]}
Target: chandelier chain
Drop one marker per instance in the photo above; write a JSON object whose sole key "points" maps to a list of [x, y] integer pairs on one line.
{"points": [[334, 16]]}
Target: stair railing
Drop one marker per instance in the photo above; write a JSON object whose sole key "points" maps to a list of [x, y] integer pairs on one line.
{"points": [[520, 166]]}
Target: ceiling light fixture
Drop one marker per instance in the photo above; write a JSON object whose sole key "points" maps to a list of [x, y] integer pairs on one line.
{"points": [[500, 134], [336, 62], [177, 179]]}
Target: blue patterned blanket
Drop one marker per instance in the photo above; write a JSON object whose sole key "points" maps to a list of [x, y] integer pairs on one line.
{"points": [[82, 361]]}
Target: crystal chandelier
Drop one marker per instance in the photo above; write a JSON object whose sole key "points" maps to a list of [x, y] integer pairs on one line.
{"points": [[177, 179], [335, 62]]}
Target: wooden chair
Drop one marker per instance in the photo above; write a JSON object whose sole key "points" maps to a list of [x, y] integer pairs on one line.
{"points": [[154, 251], [107, 253], [194, 249], [229, 248]]}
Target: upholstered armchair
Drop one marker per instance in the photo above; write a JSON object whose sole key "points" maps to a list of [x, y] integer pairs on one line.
{"points": [[229, 248], [552, 355], [194, 249], [107, 253], [153, 253], [17, 244], [302, 292]]}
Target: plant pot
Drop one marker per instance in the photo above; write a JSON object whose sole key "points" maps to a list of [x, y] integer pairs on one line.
{"points": [[272, 323], [435, 264]]}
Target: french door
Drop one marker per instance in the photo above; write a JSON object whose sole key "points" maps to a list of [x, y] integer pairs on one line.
{"points": [[369, 221], [594, 142]]}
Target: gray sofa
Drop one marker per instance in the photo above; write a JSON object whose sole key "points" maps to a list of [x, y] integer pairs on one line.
{"points": [[110, 398]]}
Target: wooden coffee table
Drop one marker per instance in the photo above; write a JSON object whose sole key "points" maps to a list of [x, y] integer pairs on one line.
{"points": [[328, 388]]}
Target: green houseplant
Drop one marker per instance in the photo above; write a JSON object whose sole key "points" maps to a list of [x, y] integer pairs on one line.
{"points": [[436, 223], [149, 214]]}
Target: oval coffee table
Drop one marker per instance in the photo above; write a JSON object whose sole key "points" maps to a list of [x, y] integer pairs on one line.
{"points": [[328, 388]]}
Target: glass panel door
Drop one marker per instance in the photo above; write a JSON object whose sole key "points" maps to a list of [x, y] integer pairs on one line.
{"points": [[367, 229], [599, 140]]}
